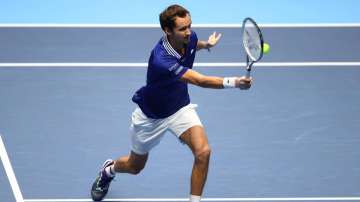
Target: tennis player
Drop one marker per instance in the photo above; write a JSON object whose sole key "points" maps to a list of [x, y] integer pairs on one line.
{"points": [[164, 103]]}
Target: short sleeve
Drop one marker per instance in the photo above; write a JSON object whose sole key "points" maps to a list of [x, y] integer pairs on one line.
{"points": [[171, 66]]}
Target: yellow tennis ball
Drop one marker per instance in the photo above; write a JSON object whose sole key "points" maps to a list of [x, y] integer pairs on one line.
{"points": [[266, 48]]}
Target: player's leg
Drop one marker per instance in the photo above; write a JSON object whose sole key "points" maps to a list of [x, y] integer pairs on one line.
{"points": [[187, 126], [145, 134], [197, 141], [131, 164]]}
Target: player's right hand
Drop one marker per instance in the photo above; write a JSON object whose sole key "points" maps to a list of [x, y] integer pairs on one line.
{"points": [[243, 82]]}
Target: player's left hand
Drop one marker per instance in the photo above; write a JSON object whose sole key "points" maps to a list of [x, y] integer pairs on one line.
{"points": [[213, 39]]}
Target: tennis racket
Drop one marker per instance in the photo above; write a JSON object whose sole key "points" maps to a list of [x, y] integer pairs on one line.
{"points": [[253, 43]]}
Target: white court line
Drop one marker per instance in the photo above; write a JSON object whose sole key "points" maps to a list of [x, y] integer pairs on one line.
{"points": [[205, 199], [10, 172], [227, 25], [215, 64]]}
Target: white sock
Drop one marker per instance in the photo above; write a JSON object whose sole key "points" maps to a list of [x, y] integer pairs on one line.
{"points": [[194, 198], [110, 171]]}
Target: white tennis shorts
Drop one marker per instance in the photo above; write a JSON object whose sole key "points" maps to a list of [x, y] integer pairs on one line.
{"points": [[146, 133]]}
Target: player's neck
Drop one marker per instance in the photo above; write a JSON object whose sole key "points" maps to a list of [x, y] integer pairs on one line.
{"points": [[178, 47]]}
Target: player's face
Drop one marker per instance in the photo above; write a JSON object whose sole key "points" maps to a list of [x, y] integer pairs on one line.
{"points": [[182, 30]]}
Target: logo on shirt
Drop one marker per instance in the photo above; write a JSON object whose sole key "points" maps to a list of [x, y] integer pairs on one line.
{"points": [[172, 68], [192, 50], [176, 68], [179, 70]]}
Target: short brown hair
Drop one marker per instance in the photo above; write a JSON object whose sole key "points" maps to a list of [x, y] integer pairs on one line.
{"points": [[167, 17]]}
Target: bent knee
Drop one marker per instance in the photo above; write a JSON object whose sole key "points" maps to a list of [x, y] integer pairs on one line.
{"points": [[203, 154], [136, 169]]}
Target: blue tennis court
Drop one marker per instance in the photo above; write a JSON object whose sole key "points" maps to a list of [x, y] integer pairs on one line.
{"points": [[293, 134]]}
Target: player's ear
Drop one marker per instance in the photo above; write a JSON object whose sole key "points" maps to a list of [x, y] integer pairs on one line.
{"points": [[167, 31]]}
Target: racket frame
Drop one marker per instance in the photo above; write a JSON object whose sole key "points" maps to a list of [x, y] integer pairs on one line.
{"points": [[249, 61]]}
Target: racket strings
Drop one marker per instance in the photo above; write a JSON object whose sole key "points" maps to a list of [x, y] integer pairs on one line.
{"points": [[252, 41]]}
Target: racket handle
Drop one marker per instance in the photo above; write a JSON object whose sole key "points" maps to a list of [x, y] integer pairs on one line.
{"points": [[247, 73]]}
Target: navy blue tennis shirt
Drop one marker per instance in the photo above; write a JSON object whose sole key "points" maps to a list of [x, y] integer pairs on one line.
{"points": [[164, 93]]}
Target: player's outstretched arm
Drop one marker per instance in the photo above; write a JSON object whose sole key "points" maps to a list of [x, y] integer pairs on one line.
{"points": [[195, 78], [211, 42]]}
